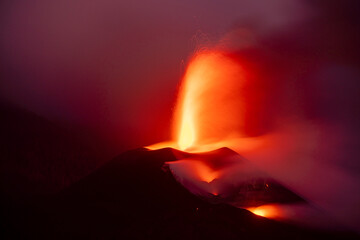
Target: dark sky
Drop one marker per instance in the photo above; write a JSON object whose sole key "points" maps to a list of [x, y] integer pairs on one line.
{"points": [[114, 66]]}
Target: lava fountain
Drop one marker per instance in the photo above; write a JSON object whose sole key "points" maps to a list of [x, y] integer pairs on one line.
{"points": [[210, 109], [210, 114], [204, 116], [216, 108]]}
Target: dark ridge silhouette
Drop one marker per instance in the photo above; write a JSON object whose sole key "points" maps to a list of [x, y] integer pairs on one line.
{"points": [[39, 156]]}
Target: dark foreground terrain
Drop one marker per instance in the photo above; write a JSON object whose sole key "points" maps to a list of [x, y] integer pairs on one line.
{"points": [[135, 197]]}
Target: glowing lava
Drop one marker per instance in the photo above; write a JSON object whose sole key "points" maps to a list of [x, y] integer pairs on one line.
{"points": [[210, 106], [209, 112], [187, 132], [268, 211], [209, 109]]}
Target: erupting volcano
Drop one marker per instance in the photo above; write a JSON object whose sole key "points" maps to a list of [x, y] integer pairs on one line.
{"points": [[222, 104], [223, 175], [180, 119], [210, 114], [210, 107]]}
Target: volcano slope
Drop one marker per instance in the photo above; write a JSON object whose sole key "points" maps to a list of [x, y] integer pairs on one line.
{"points": [[135, 196]]}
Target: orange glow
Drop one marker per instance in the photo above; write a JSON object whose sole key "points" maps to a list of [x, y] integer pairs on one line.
{"points": [[209, 114], [187, 132], [209, 109], [161, 145], [268, 211], [259, 212], [221, 105]]}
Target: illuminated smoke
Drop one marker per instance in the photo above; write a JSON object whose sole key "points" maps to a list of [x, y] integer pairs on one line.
{"points": [[212, 112]]}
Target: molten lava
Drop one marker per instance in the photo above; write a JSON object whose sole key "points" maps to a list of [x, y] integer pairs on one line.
{"points": [[187, 132], [209, 108], [268, 211], [209, 112]]}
